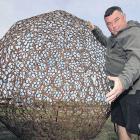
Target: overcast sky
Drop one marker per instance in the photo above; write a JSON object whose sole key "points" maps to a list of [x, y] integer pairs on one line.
{"points": [[92, 10]]}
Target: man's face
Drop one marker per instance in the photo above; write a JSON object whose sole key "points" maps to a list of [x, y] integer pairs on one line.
{"points": [[116, 22]]}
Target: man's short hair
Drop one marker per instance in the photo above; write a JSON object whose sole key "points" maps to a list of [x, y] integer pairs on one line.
{"points": [[110, 10]]}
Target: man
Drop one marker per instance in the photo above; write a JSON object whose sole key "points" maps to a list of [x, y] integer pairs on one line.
{"points": [[123, 68]]}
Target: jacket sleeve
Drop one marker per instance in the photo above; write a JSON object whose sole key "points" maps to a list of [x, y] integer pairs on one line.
{"points": [[131, 71], [100, 36]]}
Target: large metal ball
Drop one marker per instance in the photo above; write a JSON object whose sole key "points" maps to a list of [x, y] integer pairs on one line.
{"points": [[52, 79]]}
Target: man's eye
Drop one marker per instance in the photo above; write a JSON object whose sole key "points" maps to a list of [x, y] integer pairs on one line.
{"points": [[108, 23]]}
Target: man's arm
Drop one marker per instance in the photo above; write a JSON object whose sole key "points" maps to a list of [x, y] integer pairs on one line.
{"points": [[100, 36], [97, 33], [131, 71]]}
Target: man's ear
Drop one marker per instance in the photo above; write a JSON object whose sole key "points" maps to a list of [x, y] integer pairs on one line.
{"points": [[124, 15]]}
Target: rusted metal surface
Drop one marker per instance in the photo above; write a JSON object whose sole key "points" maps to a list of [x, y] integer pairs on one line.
{"points": [[52, 79]]}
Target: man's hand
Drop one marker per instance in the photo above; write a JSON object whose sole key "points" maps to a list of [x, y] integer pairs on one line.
{"points": [[116, 91], [90, 25]]}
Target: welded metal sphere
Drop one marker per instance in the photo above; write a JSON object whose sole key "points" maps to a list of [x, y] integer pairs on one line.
{"points": [[52, 79]]}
